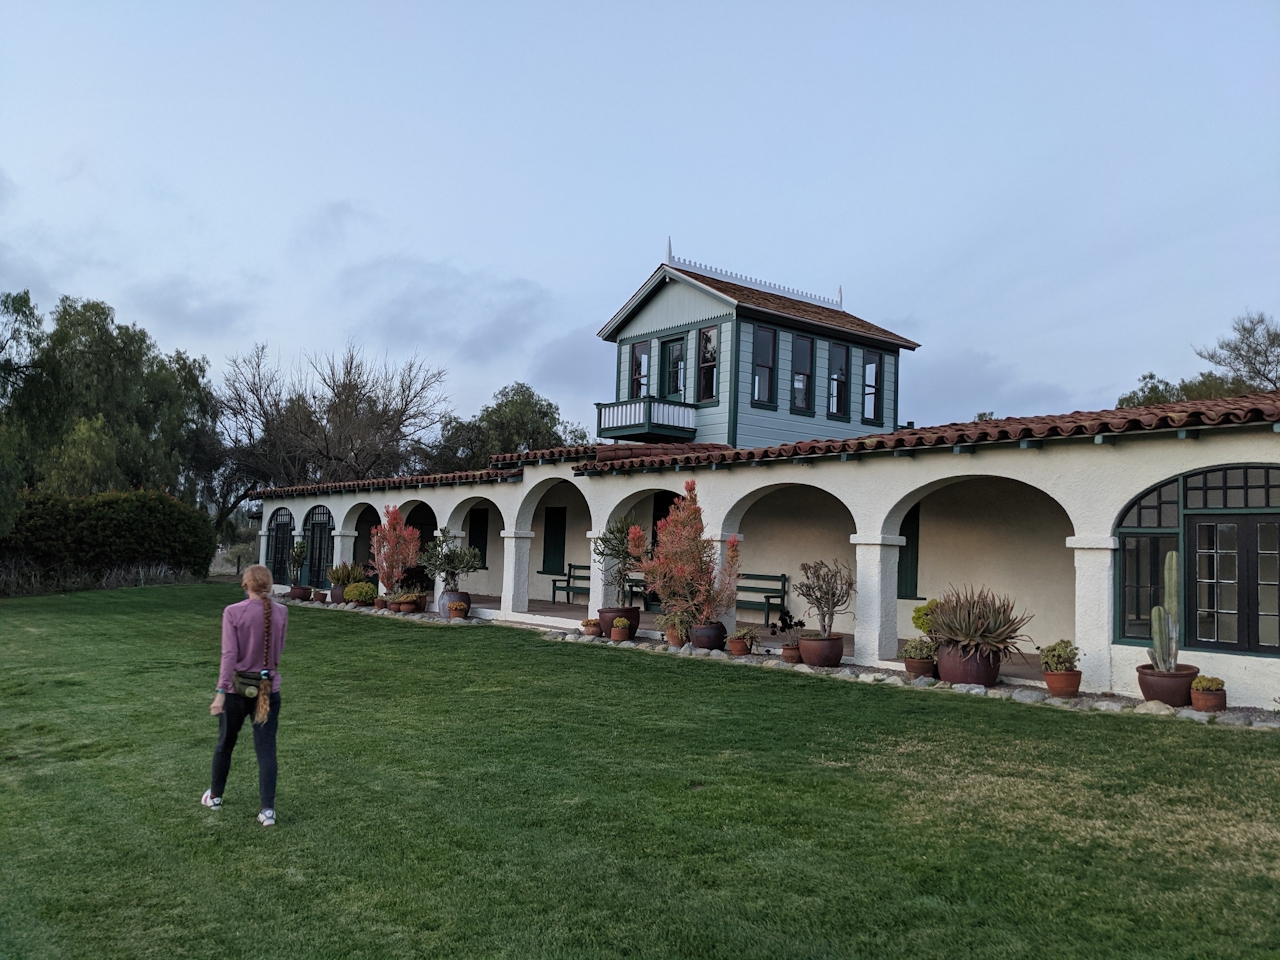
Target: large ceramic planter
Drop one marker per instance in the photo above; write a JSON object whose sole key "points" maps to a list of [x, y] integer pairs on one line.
{"points": [[1062, 683], [790, 653], [1209, 701], [453, 596], [338, 593], [955, 667], [299, 593], [609, 614], [920, 668], [708, 636], [1171, 688], [822, 651], [739, 647]]}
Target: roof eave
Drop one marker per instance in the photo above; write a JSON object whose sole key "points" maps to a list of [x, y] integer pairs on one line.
{"points": [[898, 343], [664, 273]]}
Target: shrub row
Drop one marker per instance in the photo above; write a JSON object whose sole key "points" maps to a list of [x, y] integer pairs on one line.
{"points": [[109, 530]]}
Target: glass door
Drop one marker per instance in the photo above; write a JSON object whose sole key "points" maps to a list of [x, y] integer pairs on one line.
{"points": [[1234, 582], [673, 370]]}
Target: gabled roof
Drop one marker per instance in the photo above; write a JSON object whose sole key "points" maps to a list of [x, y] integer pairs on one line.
{"points": [[1189, 415], [763, 298]]}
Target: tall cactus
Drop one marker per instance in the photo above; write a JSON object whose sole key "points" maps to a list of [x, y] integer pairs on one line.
{"points": [[1164, 620]]}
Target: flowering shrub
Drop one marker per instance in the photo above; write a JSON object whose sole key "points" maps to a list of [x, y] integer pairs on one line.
{"points": [[393, 548], [683, 568]]}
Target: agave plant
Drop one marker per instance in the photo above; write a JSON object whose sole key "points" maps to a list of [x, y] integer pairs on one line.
{"points": [[978, 622]]}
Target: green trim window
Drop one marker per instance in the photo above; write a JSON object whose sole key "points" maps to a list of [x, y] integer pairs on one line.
{"points": [[673, 369], [764, 360], [872, 387], [478, 533], [801, 374], [318, 529], [279, 543], [708, 364], [1225, 525], [838, 381], [909, 556], [639, 369]]}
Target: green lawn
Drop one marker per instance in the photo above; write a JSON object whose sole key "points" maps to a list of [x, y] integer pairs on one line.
{"points": [[482, 792]]}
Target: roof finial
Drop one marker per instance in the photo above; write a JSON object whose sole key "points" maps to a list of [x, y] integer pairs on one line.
{"points": [[668, 260], [840, 295]]}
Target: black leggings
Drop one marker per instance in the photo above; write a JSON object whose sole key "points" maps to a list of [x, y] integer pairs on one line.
{"points": [[232, 718]]}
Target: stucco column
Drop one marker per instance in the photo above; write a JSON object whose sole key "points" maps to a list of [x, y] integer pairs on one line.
{"points": [[1095, 558], [876, 606], [344, 546], [515, 570], [262, 547], [596, 599]]}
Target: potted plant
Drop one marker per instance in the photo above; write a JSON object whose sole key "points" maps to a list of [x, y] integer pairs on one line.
{"points": [[612, 551], [621, 630], [976, 632], [406, 601], [342, 576], [393, 548], [742, 641], [675, 626], [920, 656], [685, 573], [361, 594], [458, 609], [1163, 679], [447, 560], [828, 589], [297, 560], [319, 596], [1208, 694], [787, 630], [591, 627], [1058, 665]]}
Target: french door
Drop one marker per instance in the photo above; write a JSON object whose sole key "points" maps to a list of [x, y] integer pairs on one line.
{"points": [[1233, 581]]}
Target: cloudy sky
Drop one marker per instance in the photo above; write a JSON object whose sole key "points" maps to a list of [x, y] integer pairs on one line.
{"points": [[1053, 199]]}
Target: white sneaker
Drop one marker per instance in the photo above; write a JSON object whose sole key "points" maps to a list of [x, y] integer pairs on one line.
{"points": [[267, 818], [209, 800]]}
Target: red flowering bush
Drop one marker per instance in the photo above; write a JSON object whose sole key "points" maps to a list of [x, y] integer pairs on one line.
{"points": [[683, 569], [393, 548]]}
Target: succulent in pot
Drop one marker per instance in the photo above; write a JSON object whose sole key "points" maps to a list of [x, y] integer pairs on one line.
{"points": [[920, 656], [829, 589], [591, 627], [1208, 694], [621, 630], [787, 631], [675, 626], [457, 609], [1058, 665], [297, 560], [447, 560], [342, 576], [976, 632], [742, 641], [1164, 679]]}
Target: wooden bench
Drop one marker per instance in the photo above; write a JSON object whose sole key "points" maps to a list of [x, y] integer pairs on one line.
{"points": [[770, 589], [635, 585], [577, 582]]}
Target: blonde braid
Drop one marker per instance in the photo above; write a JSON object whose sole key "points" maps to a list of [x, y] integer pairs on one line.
{"points": [[263, 708]]}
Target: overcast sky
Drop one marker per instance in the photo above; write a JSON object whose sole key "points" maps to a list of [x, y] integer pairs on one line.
{"points": [[1051, 198]]}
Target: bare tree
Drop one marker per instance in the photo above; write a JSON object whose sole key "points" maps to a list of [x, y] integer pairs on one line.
{"points": [[1251, 354]]}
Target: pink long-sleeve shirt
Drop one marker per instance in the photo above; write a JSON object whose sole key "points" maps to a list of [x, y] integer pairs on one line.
{"points": [[242, 640]]}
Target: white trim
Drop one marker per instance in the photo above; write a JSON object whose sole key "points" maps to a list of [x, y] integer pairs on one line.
{"points": [[662, 274], [1094, 542], [876, 540]]}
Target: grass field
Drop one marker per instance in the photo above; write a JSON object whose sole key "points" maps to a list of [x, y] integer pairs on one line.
{"points": [[481, 792]]}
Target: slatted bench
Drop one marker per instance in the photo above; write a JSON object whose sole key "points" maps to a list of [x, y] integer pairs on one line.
{"points": [[578, 582], [764, 591], [635, 585]]}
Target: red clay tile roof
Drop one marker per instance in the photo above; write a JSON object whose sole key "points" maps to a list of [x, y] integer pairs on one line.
{"points": [[554, 453], [800, 309], [1191, 414], [387, 483]]}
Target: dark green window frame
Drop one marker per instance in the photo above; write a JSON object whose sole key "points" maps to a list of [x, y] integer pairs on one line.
{"points": [[708, 364], [673, 368], [803, 356], [764, 375], [873, 387], [555, 522], [838, 358], [909, 556]]}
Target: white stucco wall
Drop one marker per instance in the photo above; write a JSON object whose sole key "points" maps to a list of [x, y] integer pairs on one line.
{"points": [[576, 548]]}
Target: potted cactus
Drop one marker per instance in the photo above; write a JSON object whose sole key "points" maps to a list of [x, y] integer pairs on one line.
{"points": [[787, 630], [457, 609], [828, 588], [621, 630], [976, 632], [1208, 694], [591, 627], [297, 560], [1058, 666], [920, 656], [1164, 679], [742, 641]]}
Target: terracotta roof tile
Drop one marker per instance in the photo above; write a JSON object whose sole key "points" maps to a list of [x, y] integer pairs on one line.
{"points": [[387, 483], [553, 453], [800, 309]]}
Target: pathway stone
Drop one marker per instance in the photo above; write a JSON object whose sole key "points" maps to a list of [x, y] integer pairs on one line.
{"points": [[719, 655], [1000, 693], [872, 677], [1156, 708], [701, 652], [629, 644], [775, 663], [941, 685], [802, 668], [1029, 695], [976, 689], [1266, 725], [846, 674], [1186, 713], [1108, 706], [555, 635], [1056, 702], [685, 651], [893, 681], [1233, 720], [924, 682]]}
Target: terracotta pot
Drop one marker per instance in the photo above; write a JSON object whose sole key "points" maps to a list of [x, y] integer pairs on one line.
{"points": [[673, 637], [955, 667], [364, 603], [319, 596], [920, 668], [338, 592], [1171, 688], [1062, 683], [299, 593], [619, 634], [421, 605], [791, 654], [609, 614], [450, 596], [822, 651], [708, 636], [594, 631], [380, 603], [457, 614], [739, 647], [1209, 701]]}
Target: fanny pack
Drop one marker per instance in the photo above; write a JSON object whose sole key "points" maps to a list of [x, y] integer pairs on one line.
{"points": [[247, 682]]}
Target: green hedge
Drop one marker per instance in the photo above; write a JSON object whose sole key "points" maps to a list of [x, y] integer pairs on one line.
{"points": [[111, 529]]}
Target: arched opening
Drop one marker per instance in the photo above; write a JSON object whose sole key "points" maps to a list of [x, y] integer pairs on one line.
{"points": [[317, 529], [997, 533], [1224, 523], [367, 518], [422, 518], [781, 528], [560, 554], [480, 523], [645, 508], [279, 543]]}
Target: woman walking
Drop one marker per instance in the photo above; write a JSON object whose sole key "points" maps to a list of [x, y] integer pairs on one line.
{"points": [[253, 634]]}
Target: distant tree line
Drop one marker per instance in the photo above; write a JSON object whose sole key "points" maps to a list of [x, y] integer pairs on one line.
{"points": [[90, 405]]}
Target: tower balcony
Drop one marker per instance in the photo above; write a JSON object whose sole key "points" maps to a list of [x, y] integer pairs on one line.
{"points": [[647, 419]]}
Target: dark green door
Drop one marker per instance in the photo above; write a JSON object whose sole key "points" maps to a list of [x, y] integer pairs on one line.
{"points": [[553, 536], [673, 370]]}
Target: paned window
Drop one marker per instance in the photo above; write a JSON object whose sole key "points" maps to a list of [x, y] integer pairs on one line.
{"points": [[838, 375], [708, 350], [872, 386], [639, 369], [1144, 580], [673, 369], [318, 529], [1234, 488], [802, 374], [279, 543], [764, 353]]}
